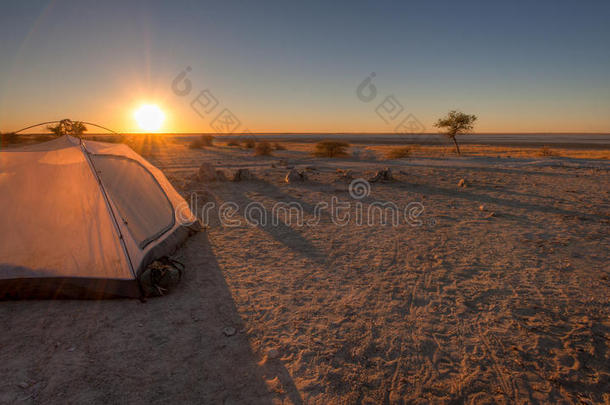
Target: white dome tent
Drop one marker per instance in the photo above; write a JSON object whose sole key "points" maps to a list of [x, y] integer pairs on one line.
{"points": [[83, 219]]}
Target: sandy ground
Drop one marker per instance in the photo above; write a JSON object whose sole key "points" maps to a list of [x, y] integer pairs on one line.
{"points": [[500, 296]]}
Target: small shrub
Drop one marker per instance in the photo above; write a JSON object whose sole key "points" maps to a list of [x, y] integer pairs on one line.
{"points": [[232, 143], [202, 142], [248, 143], [278, 146], [9, 138], [263, 149], [545, 151], [196, 144], [208, 140], [400, 152], [331, 149]]}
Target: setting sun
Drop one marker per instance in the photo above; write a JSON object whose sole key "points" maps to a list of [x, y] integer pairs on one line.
{"points": [[149, 117]]}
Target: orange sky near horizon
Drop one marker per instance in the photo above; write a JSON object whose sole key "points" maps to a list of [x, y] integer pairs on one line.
{"points": [[181, 117]]}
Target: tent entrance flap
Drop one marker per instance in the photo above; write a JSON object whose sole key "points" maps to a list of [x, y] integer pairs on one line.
{"points": [[141, 203]]}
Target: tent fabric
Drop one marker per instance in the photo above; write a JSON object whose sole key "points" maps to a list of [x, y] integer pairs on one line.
{"points": [[141, 203], [83, 219]]}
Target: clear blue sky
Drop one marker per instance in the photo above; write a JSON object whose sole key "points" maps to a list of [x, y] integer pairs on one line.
{"points": [[286, 66]]}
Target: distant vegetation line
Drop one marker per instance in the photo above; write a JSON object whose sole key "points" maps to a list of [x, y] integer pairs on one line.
{"points": [[381, 139]]}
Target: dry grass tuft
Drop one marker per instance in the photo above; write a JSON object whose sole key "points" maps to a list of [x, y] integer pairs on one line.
{"points": [[545, 151], [263, 149], [248, 143], [331, 149], [12, 139], [400, 152], [202, 142], [9, 138]]}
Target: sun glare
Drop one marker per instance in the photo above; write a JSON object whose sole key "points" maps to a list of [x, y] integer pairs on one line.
{"points": [[149, 117]]}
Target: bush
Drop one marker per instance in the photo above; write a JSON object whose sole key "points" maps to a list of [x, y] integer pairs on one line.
{"points": [[278, 146], [202, 142], [263, 149], [400, 152], [547, 152], [248, 143], [68, 127], [196, 144], [331, 149], [9, 138]]}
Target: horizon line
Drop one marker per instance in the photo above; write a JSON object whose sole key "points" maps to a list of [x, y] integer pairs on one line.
{"points": [[328, 133]]}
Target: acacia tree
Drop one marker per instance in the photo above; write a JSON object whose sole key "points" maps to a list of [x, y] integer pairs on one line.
{"points": [[68, 127], [456, 123]]}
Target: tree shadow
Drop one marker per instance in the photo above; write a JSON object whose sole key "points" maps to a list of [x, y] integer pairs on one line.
{"points": [[278, 229], [467, 195], [488, 168]]}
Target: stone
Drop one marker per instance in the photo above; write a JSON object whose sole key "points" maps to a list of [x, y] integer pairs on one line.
{"points": [[294, 176], [242, 175], [382, 176], [229, 331], [206, 172], [220, 175], [273, 353], [346, 175]]}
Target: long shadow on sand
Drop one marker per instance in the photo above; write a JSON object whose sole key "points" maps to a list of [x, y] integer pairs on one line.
{"points": [[280, 231], [491, 169], [467, 195], [170, 349]]}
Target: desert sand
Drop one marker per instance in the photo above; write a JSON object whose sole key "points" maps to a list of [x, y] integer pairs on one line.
{"points": [[501, 295]]}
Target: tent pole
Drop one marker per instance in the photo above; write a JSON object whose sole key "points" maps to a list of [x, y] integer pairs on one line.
{"points": [[110, 210]]}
